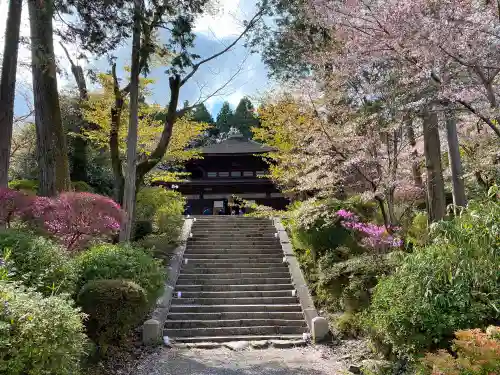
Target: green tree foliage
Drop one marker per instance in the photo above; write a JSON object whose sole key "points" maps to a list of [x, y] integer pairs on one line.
{"points": [[200, 114], [224, 118], [244, 118]]}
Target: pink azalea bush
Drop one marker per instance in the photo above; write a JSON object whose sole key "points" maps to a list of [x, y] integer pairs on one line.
{"points": [[72, 218], [373, 236]]}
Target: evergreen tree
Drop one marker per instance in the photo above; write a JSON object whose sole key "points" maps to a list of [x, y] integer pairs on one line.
{"points": [[224, 118], [244, 118], [200, 114]]}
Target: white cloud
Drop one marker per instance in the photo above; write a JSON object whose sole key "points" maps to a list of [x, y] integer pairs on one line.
{"points": [[226, 22]]}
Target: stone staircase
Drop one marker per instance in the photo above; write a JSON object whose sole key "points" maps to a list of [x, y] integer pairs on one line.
{"points": [[234, 286]]}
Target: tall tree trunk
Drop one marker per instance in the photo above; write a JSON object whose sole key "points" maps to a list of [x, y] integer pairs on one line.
{"points": [[51, 140], [8, 86], [459, 198], [155, 157], [415, 165], [130, 176], [114, 140], [436, 202]]}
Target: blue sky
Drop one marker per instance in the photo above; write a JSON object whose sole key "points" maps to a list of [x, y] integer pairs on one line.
{"points": [[213, 33]]}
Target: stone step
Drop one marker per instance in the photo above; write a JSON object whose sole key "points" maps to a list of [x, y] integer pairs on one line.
{"points": [[224, 227], [234, 232], [233, 308], [193, 264], [187, 324], [240, 249], [233, 256], [236, 281], [261, 330], [232, 288], [234, 275], [235, 301], [236, 315], [236, 294], [190, 268], [245, 242], [193, 340], [210, 235], [236, 262], [213, 249]]}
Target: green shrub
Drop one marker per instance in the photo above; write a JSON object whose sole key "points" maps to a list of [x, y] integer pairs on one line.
{"points": [[418, 231], [349, 283], [348, 325], [39, 336], [315, 226], [164, 208], [169, 220], [450, 285], [142, 228], [108, 261], [38, 262], [30, 186], [114, 308], [81, 186]]}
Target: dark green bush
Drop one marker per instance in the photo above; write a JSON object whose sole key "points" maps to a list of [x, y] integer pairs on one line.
{"points": [[29, 186], [349, 283], [39, 335], [114, 308], [81, 186], [38, 262], [450, 285], [142, 228], [108, 261]]}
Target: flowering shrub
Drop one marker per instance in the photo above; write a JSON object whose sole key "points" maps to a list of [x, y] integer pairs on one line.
{"points": [[373, 236], [76, 218], [477, 353], [72, 218], [13, 204]]}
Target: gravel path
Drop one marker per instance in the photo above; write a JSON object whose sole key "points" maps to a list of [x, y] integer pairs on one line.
{"points": [[297, 361]]}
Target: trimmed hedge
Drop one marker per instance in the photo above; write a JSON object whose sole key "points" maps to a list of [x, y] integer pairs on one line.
{"points": [[107, 261], [114, 308]]}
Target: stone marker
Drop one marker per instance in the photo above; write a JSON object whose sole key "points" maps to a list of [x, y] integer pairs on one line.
{"points": [[320, 329], [151, 332]]}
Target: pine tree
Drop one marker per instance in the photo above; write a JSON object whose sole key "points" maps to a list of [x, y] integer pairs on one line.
{"points": [[244, 118], [200, 114], [224, 118]]}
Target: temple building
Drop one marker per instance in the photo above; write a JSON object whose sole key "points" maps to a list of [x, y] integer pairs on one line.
{"points": [[232, 167]]}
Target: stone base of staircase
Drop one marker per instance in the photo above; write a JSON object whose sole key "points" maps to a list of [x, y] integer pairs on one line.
{"points": [[245, 342]]}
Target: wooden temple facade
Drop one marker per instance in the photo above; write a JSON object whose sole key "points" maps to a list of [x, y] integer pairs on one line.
{"points": [[232, 167]]}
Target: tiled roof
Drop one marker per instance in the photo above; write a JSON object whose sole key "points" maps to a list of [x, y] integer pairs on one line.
{"points": [[236, 144]]}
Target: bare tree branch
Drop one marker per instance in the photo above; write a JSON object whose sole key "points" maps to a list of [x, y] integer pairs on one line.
{"points": [[250, 24]]}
